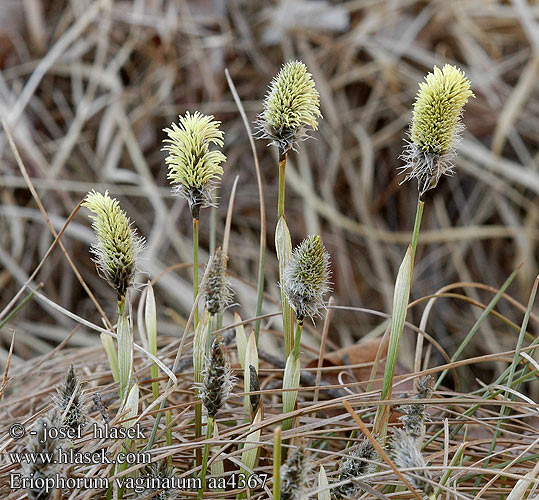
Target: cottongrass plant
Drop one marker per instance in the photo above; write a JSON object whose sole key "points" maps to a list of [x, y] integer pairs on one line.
{"points": [[305, 281], [433, 132], [117, 250], [291, 107], [218, 296], [194, 160], [214, 392]]}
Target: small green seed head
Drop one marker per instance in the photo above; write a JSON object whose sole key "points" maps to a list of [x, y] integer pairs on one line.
{"points": [[291, 104], [193, 167], [118, 245], [218, 293], [436, 125], [306, 277]]}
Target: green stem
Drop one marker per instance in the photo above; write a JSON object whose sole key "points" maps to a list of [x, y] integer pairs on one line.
{"points": [[25, 301], [209, 433], [417, 224], [213, 225], [195, 267], [297, 340], [382, 413], [282, 171], [260, 289], [168, 434], [277, 464]]}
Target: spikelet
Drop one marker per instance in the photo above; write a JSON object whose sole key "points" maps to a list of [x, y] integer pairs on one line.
{"points": [[70, 401], [193, 167], [118, 245], [294, 474], [40, 445], [406, 454], [353, 466], [414, 417], [306, 277], [254, 386], [435, 126], [291, 104], [218, 380], [218, 292], [157, 475]]}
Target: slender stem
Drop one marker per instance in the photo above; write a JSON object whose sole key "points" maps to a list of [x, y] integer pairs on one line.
{"points": [[168, 434], [417, 224], [209, 434], [277, 464], [382, 413], [195, 267], [213, 225], [198, 407], [297, 340], [260, 289], [282, 171]]}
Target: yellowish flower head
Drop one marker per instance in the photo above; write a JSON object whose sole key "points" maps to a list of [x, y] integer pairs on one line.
{"points": [[118, 245], [436, 125], [438, 107], [193, 167], [291, 104], [306, 277]]}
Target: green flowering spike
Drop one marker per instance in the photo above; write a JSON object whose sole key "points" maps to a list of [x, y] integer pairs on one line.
{"points": [[193, 167], [306, 277], [291, 104], [118, 245], [436, 125]]}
